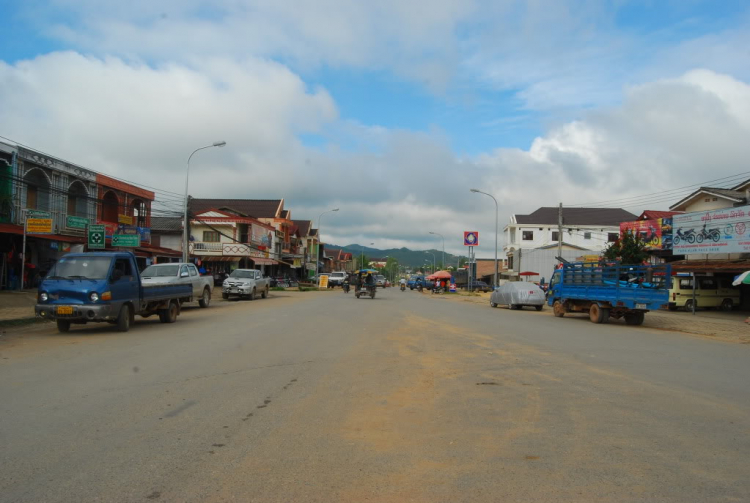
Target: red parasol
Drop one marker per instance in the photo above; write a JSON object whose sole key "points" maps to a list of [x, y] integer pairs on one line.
{"points": [[528, 273]]}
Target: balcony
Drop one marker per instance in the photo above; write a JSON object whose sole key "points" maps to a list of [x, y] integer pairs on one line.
{"points": [[205, 248]]}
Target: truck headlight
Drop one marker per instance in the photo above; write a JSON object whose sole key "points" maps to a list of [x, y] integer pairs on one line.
{"points": [[43, 297], [94, 296]]}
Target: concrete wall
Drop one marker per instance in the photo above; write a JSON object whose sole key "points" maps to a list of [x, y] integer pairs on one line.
{"points": [[542, 261], [575, 235]]}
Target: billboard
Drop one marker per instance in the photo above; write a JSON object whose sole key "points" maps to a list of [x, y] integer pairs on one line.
{"points": [[471, 238], [714, 231], [657, 234]]}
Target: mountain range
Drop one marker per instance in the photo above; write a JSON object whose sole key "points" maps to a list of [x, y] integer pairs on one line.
{"points": [[404, 256]]}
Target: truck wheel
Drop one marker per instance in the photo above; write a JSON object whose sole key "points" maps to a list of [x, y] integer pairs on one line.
{"points": [[123, 319], [634, 318], [205, 298], [539, 308], [252, 295], [356, 294], [63, 326], [689, 305], [224, 296], [596, 313], [727, 305], [492, 304], [264, 293], [558, 308], [169, 315]]}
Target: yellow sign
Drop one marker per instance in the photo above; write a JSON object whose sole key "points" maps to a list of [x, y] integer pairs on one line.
{"points": [[298, 262], [39, 226], [323, 282], [124, 219], [590, 258]]}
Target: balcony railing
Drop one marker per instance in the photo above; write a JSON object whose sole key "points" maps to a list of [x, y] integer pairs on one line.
{"points": [[205, 248]]}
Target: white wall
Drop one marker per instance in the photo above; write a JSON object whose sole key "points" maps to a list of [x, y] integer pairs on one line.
{"points": [[576, 236], [171, 242], [703, 205]]}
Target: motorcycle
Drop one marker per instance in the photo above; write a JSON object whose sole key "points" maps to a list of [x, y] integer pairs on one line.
{"points": [[345, 286], [688, 235], [403, 287], [713, 235]]}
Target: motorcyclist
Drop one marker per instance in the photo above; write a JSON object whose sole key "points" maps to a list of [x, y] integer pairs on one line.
{"points": [[402, 282]]}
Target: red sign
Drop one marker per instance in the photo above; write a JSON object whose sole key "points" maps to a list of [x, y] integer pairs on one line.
{"points": [[471, 238]]}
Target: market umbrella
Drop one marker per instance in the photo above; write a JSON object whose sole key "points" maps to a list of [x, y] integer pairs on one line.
{"points": [[742, 279], [442, 275], [528, 273]]}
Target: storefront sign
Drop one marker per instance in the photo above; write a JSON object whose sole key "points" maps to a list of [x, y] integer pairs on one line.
{"points": [[126, 240], [76, 222], [95, 236], [38, 214], [38, 225], [715, 231], [656, 234], [323, 281], [125, 219]]}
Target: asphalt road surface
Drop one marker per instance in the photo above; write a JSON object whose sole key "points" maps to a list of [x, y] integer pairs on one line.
{"points": [[407, 397]]}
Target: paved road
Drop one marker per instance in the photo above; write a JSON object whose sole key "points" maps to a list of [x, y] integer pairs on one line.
{"points": [[321, 397]]}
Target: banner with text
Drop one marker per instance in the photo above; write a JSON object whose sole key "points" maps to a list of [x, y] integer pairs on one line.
{"points": [[657, 233], [715, 231]]}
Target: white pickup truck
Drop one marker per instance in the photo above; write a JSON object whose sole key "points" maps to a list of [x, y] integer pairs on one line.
{"points": [[247, 283], [181, 273], [336, 278]]}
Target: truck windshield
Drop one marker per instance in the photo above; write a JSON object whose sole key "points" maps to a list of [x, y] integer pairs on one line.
{"points": [[80, 268], [153, 271], [241, 274]]}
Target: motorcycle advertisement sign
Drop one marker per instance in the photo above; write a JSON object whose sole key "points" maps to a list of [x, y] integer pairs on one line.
{"points": [[657, 233], [714, 231]]}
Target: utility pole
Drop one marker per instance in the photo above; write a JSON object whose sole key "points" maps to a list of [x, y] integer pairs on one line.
{"points": [[559, 231]]}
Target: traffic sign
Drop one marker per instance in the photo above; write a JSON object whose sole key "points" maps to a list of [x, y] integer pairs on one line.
{"points": [[96, 236], [38, 225], [471, 238], [38, 214], [76, 222], [126, 240]]}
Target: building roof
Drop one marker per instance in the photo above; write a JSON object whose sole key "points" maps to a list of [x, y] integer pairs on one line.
{"points": [[110, 182], [547, 215], [698, 266], [486, 267], [655, 215], [166, 224], [258, 208], [732, 195], [304, 226]]}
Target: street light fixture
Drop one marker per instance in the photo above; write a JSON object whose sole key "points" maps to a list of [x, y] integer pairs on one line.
{"points": [[496, 212], [363, 254], [185, 251], [443, 237], [317, 252]]}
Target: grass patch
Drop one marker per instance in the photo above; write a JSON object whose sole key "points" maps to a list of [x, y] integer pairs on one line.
{"points": [[278, 289], [306, 289], [21, 322]]}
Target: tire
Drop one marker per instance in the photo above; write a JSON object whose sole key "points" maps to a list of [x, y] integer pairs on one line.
{"points": [[689, 305], [691, 239], [124, 318], [539, 308], [727, 305], [492, 304], [356, 294], [716, 237], [252, 295], [558, 308], [264, 293], [169, 315], [63, 326], [512, 307], [676, 240], [634, 318], [372, 294], [205, 298], [699, 238], [224, 296], [596, 313]]}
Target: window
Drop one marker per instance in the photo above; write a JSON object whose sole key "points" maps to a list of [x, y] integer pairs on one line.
{"points": [[707, 200], [686, 283], [707, 284], [555, 236], [184, 270], [715, 199], [612, 237], [123, 265], [193, 270], [586, 235], [528, 235], [210, 236]]}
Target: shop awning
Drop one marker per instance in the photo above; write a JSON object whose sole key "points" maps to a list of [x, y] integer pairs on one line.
{"points": [[219, 259], [18, 229], [714, 266]]}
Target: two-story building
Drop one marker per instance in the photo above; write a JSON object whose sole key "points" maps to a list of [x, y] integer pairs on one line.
{"points": [[308, 245], [223, 239], [532, 241]]}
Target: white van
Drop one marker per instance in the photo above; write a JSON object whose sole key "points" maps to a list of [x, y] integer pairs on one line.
{"points": [[709, 292]]}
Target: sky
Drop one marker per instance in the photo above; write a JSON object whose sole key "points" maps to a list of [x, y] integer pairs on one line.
{"points": [[390, 110]]}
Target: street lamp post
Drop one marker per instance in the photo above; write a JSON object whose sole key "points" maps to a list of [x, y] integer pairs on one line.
{"points": [[320, 237], [496, 212], [185, 251], [433, 261], [443, 237], [363, 254]]}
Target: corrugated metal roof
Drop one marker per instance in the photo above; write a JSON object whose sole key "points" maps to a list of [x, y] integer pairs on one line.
{"points": [[166, 224], [577, 216], [258, 208], [304, 226], [654, 215], [727, 266]]}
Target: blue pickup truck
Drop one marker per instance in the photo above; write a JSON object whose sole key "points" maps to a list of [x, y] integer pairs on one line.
{"points": [[607, 291], [104, 286], [416, 281]]}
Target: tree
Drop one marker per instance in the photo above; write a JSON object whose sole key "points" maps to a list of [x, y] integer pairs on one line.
{"points": [[629, 249], [462, 261], [361, 262]]}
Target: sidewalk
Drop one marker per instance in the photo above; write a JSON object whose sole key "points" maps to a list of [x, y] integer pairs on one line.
{"points": [[15, 305], [728, 326]]}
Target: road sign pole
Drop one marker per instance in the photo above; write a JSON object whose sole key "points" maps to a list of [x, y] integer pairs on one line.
{"points": [[23, 249]]}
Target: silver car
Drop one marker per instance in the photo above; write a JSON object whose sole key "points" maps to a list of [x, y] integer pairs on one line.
{"points": [[181, 273], [517, 294]]}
